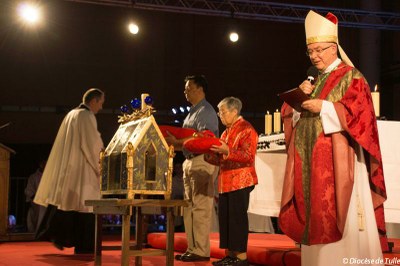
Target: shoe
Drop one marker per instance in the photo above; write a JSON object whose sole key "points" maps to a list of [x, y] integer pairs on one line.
{"points": [[179, 257], [57, 245], [236, 262], [222, 261], [83, 251], [193, 257]]}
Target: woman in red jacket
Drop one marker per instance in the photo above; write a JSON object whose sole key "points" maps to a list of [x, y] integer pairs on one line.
{"points": [[237, 178]]}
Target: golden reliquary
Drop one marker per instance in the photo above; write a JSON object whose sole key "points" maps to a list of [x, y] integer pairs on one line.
{"points": [[137, 160]]}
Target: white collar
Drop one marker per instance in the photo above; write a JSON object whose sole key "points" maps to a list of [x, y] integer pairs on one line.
{"points": [[333, 65]]}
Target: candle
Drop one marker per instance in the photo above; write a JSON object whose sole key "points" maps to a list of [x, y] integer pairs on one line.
{"points": [[277, 121], [144, 105], [268, 123], [375, 100]]}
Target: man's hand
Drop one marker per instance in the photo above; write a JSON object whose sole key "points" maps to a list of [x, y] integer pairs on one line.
{"points": [[306, 87], [313, 105], [171, 140]]}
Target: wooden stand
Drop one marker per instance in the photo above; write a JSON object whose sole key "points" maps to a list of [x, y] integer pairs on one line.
{"points": [[124, 208], [4, 187]]}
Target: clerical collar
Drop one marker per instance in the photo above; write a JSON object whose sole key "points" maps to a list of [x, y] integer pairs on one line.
{"points": [[333, 65], [83, 106]]}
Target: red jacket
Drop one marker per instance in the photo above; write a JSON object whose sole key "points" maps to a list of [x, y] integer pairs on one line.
{"points": [[237, 169]]}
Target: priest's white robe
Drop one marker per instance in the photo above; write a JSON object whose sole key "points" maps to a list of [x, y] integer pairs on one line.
{"points": [[72, 172]]}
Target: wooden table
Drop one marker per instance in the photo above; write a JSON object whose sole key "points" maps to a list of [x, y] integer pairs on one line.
{"points": [[124, 207]]}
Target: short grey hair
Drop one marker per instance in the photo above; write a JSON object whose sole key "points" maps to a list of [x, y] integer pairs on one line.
{"points": [[231, 103], [91, 94]]}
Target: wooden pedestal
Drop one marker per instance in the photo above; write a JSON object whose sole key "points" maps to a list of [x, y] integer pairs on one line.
{"points": [[124, 207]]}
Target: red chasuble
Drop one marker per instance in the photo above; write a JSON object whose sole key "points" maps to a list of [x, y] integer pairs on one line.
{"points": [[320, 168]]}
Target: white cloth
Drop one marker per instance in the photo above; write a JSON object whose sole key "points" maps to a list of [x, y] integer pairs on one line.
{"points": [[329, 118], [71, 175], [390, 147], [355, 247], [265, 199]]}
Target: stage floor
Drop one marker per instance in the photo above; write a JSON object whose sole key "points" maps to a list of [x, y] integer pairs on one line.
{"points": [[263, 249]]}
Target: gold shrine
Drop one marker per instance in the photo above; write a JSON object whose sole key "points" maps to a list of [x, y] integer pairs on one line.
{"points": [[137, 160]]}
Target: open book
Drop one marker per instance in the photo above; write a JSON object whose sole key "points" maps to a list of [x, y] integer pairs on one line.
{"points": [[294, 97]]}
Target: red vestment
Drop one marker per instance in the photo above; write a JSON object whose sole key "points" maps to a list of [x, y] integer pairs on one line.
{"points": [[320, 167]]}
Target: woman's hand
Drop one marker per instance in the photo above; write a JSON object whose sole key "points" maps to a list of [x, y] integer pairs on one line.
{"points": [[222, 149]]}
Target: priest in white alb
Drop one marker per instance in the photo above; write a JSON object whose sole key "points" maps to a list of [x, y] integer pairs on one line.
{"points": [[71, 176]]}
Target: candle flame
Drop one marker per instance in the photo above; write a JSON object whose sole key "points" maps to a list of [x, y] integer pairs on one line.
{"points": [[267, 112], [376, 87]]}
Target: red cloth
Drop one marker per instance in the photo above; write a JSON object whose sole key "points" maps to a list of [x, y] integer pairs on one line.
{"points": [[200, 145], [332, 18], [198, 142], [178, 132], [237, 169], [319, 171]]}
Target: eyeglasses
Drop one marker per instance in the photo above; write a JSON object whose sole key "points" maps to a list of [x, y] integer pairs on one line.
{"points": [[318, 51]]}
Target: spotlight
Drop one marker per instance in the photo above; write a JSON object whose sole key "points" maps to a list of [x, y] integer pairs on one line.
{"points": [[29, 13], [188, 108], [174, 111], [234, 37], [176, 121], [133, 28], [182, 109]]}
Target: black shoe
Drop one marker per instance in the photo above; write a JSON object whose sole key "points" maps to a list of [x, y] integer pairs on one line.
{"points": [[180, 256], [83, 251], [222, 261], [237, 262], [57, 245], [194, 257]]}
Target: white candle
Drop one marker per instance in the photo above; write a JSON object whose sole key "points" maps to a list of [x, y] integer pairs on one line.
{"points": [[268, 123], [376, 101], [144, 105], [277, 121]]}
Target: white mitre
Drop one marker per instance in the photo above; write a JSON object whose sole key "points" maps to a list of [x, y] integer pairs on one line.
{"points": [[321, 29]]}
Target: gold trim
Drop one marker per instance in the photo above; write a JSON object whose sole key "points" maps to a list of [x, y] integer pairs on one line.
{"points": [[101, 169], [171, 155], [129, 164], [127, 191], [136, 115], [325, 38]]}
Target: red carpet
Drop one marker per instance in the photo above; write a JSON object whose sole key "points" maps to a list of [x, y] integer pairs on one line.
{"points": [[264, 249], [44, 254]]}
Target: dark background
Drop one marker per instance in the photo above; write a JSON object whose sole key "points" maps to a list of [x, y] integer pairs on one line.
{"points": [[83, 45]]}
